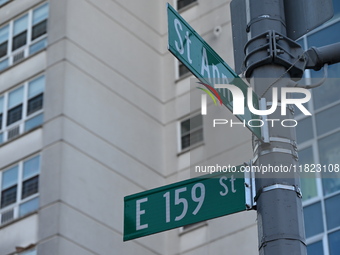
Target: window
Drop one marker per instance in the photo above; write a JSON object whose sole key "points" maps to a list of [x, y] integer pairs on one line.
{"points": [[21, 109], [39, 24], [334, 243], [1, 115], [191, 131], [15, 100], [312, 215], [183, 3], [4, 32], [319, 143], [2, 2], [182, 70], [315, 249], [336, 7], [23, 36], [329, 150], [19, 189], [20, 32], [30, 252]]}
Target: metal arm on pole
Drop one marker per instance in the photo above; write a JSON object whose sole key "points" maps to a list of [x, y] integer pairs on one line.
{"points": [[318, 57]]}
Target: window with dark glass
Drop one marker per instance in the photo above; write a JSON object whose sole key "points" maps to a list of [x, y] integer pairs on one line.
{"points": [[39, 29], [3, 41], [336, 7], [30, 187], [35, 104], [183, 3], [191, 131], [19, 40], [182, 70], [20, 32], [3, 49], [35, 95], [39, 22], [9, 186], [30, 184], [8, 196], [1, 110], [315, 248], [14, 115], [15, 105], [312, 219], [329, 151], [334, 243], [23, 36], [19, 189], [21, 109]]}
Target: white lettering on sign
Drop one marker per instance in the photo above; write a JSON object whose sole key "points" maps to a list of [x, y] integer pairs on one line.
{"points": [[188, 46], [199, 199], [140, 212], [216, 74], [179, 201], [180, 46], [224, 185], [182, 198], [232, 180], [204, 64], [197, 195], [183, 44]]}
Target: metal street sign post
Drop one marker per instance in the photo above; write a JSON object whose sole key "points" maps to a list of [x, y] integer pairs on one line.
{"points": [[183, 203], [190, 48]]}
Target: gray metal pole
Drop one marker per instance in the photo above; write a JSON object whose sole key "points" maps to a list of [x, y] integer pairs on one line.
{"points": [[279, 206]]}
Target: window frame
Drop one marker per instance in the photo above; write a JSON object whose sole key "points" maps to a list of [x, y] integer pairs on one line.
{"points": [[20, 124], [186, 6], [179, 132], [184, 75], [16, 206], [16, 55]]}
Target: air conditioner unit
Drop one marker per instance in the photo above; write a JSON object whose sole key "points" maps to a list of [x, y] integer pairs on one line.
{"points": [[13, 132], [7, 216], [18, 56]]}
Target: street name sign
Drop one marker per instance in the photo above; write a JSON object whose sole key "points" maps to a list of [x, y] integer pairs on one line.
{"points": [[190, 48], [183, 203]]}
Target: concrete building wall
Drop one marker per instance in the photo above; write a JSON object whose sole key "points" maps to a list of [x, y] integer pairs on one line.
{"points": [[104, 127]]}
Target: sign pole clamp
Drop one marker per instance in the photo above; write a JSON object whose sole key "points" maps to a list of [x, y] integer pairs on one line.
{"points": [[272, 47], [250, 188], [279, 186]]}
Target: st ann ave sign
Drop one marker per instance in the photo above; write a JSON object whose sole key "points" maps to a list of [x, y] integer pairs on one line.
{"points": [[190, 48]]}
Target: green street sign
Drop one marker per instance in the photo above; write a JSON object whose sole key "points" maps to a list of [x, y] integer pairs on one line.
{"points": [[183, 203], [190, 48]]}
